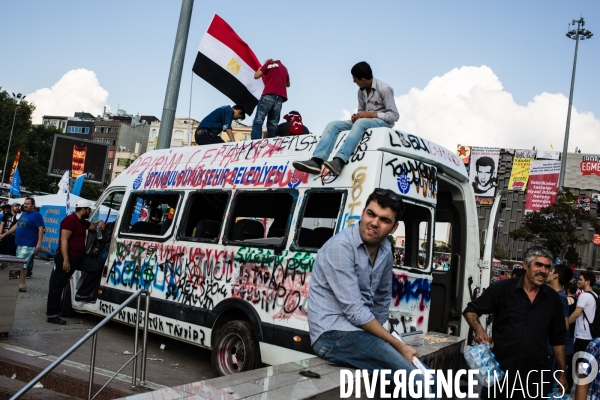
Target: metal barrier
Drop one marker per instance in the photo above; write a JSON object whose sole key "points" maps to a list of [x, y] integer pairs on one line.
{"points": [[94, 333]]}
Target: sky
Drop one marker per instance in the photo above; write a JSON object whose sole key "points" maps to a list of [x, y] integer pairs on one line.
{"points": [[478, 73]]}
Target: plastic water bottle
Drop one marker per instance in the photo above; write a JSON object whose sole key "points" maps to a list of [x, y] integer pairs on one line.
{"points": [[98, 233], [481, 358]]}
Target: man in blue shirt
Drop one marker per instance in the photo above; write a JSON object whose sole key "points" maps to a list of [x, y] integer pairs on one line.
{"points": [[210, 128], [351, 291], [558, 277], [28, 236]]}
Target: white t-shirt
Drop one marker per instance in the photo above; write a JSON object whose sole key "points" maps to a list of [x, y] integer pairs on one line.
{"points": [[587, 301]]}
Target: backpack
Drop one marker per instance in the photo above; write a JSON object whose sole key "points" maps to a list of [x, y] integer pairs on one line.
{"points": [[595, 324]]}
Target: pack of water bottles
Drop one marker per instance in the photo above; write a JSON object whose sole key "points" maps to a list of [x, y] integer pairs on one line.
{"points": [[481, 358]]}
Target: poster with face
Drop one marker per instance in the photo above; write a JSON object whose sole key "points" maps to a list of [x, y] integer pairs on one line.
{"points": [[483, 172]]}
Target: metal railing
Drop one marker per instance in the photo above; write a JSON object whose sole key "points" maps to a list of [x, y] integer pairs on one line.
{"points": [[94, 333]]}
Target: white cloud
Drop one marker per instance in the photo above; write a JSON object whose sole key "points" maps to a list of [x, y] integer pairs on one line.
{"points": [[77, 90], [469, 106], [346, 115]]}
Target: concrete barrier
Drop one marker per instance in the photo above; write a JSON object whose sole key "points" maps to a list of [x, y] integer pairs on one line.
{"points": [[285, 382]]}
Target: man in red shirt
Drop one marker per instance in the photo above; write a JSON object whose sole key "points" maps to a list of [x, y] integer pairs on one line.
{"points": [[71, 256], [277, 80]]}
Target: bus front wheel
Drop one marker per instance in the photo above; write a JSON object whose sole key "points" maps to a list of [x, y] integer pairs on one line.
{"points": [[235, 348]]}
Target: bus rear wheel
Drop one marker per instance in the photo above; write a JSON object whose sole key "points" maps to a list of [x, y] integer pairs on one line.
{"points": [[235, 349]]}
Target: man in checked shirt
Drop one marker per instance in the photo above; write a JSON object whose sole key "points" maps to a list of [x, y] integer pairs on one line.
{"points": [[351, 290], [376, 108]]}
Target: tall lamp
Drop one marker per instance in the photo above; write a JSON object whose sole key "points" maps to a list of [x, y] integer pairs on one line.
{"points": [[577, 35]]}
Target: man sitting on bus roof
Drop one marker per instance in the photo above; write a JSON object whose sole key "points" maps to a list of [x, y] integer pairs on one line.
{"points": [[351, 290], [210, 128], [376, 108]]}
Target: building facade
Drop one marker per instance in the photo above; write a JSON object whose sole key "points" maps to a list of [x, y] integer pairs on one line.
{"points": [[582, 178]]}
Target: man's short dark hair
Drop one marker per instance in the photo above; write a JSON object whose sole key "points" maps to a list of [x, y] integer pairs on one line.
{"points": [[241, 108], [31, 199], [571, 287], [385, 201], [589, 276], [362, 70], [564, 273], [485, 162]]}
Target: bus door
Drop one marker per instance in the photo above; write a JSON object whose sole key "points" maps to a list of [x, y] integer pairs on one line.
{"points": [[449, 259], [416, 182]]}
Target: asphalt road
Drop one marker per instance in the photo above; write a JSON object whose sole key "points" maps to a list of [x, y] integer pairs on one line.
{"points": [[179, 363]]}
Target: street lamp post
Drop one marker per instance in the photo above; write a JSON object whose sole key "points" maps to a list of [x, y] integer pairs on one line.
{"points": [[18, 99], [577, 35]]}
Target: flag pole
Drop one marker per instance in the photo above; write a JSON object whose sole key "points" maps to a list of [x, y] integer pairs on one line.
{"points": [[174, 82]]}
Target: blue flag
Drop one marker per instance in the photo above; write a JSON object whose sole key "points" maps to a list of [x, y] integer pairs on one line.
{"points": [[15, 185], [78, 185]]}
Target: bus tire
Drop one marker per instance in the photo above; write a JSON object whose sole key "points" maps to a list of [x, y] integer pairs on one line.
{"points": [[66, 308], [235, 349]]}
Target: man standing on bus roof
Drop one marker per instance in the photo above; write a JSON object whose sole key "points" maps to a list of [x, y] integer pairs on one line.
{"points": [[528, 314], [219, 120], [351, 291], [277, 80], [376, 108], [71, 256]]}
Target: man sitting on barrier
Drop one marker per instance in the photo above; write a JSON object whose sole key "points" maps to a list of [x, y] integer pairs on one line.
{"points": [[351, 290]]}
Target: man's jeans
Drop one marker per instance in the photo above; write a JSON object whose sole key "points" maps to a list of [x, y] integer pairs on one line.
{"points": [[362, 350], [269, 106], [333, 129]]}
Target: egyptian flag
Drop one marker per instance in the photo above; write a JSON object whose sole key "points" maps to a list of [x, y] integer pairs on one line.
{"points": [[226, 62]]}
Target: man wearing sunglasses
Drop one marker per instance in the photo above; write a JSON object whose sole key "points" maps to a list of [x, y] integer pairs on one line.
{"points": [[527, 315], [351, 289]]}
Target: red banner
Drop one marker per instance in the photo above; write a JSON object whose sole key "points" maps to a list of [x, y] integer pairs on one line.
{"points": [[78, 162], [15, 165], [543, 185], [590, 168], [596, 239]]}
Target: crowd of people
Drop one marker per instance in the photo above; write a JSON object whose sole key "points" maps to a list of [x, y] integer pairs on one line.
{"points": [[541, 323], [22, 230]]}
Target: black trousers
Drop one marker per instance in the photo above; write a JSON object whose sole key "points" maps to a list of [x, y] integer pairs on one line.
{"points": [[581, 344], [7, 246], [204, 136], [59, 278]]}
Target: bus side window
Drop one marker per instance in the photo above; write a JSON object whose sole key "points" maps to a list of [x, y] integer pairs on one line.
{"points": [[204, 216], [415, 232], [261, 218], [150, 214], [320, 215]]}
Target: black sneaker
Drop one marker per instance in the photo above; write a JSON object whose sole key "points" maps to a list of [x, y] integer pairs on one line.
{"points": [[57, 320], [309, 166], [84, 299], [335, 166]]}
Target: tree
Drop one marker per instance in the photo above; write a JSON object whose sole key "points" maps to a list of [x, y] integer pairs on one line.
{"points": [[556, 226], [445, 248], [392, 240], [500, 252], [91, 191], [35, 142]]}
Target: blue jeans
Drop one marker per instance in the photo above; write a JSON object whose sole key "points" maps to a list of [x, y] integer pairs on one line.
{"points": [[362, 350], [333, 129], [269, 106]]}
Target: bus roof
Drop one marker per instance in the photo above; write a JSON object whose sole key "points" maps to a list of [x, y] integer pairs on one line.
{"points": [[291, 148]]}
